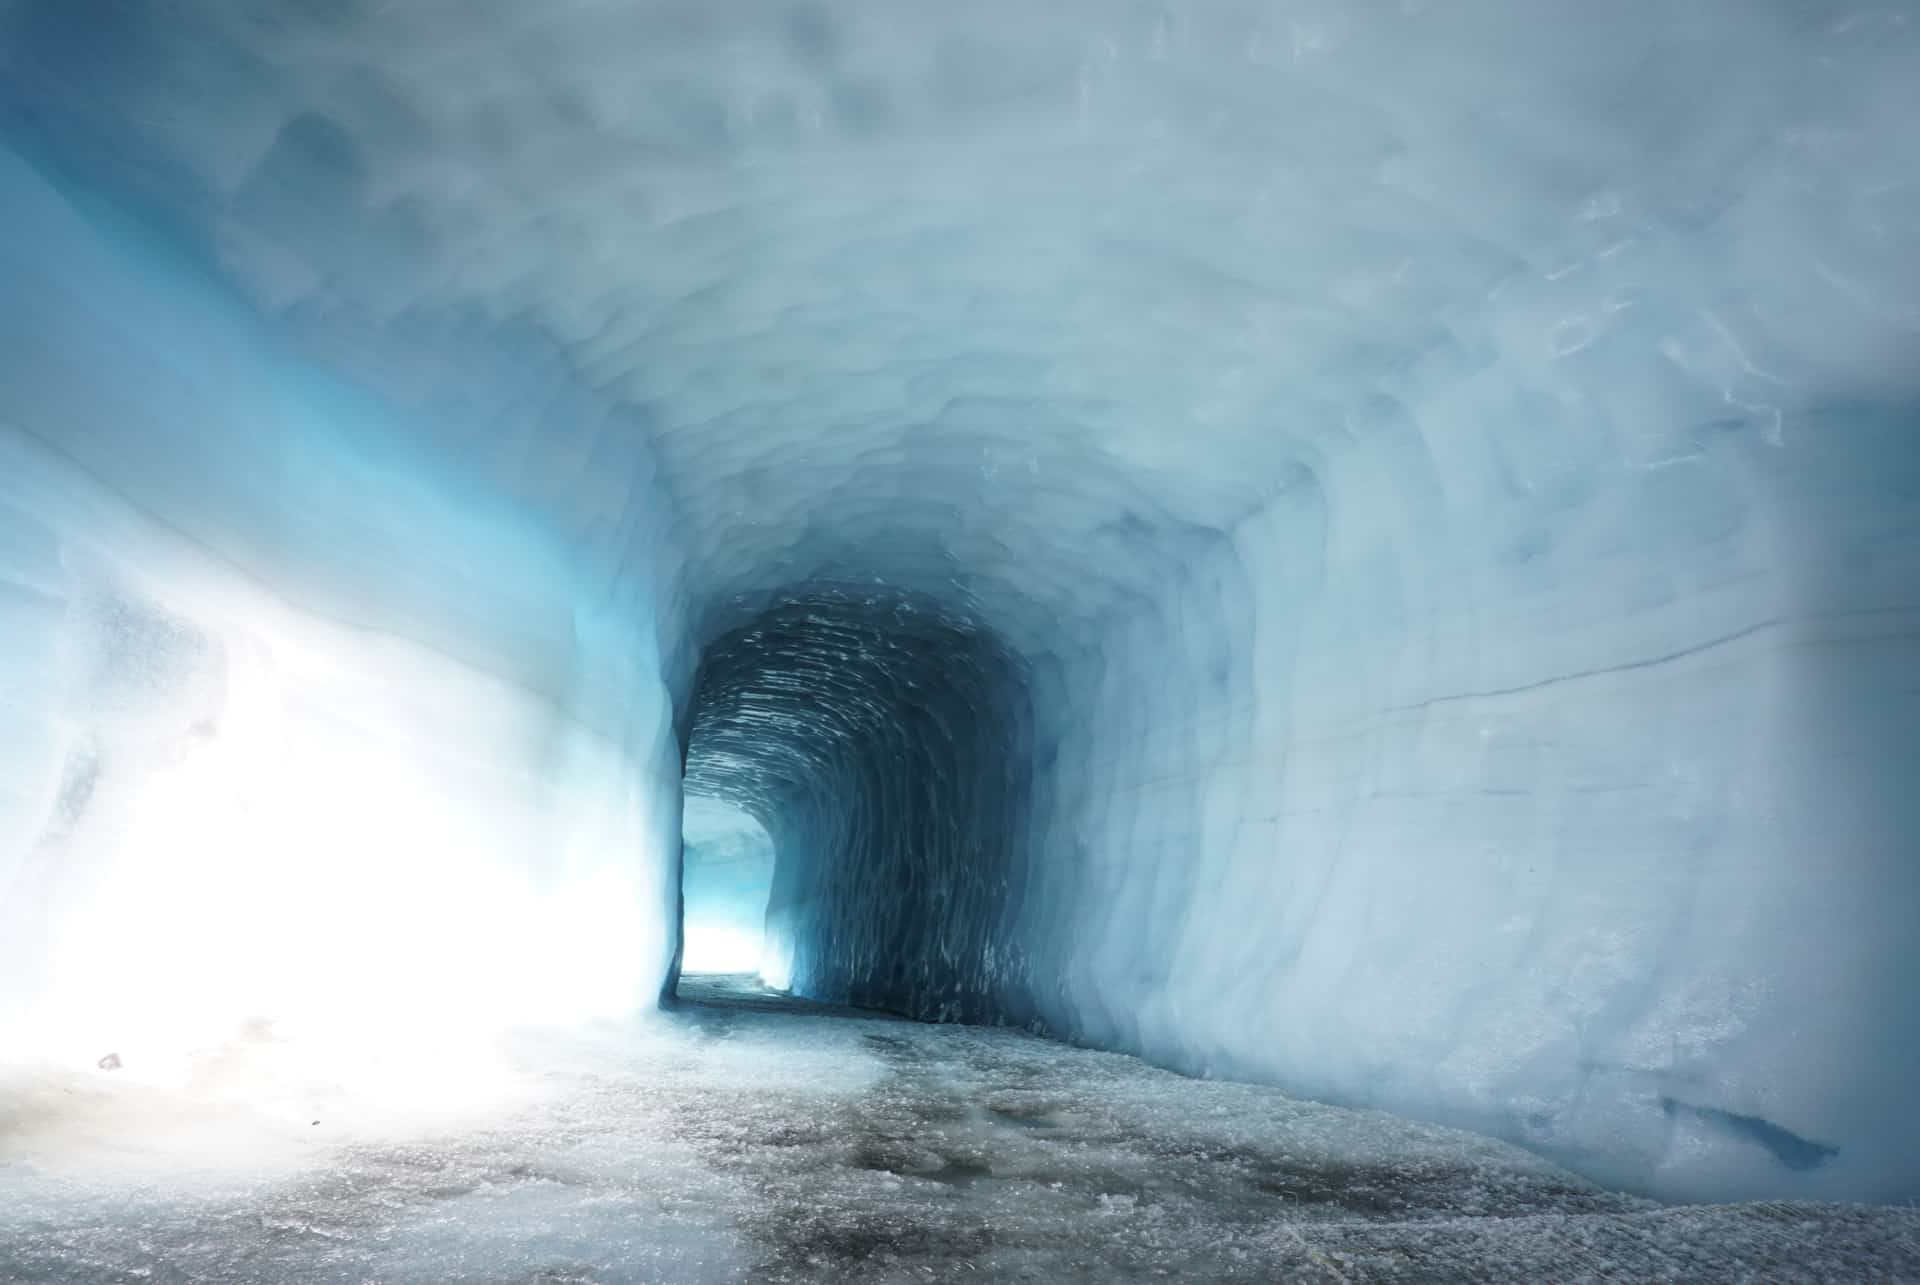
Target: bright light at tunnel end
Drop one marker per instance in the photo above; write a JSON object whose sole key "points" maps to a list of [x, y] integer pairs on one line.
{"points": [[720, 947]]}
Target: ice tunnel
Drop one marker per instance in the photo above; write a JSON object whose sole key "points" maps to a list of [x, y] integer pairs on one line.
{"points": [[884, 748], [1368, 548]]}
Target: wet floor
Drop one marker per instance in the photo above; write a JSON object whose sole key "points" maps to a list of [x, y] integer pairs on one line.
{"points": [[747, 1136]]}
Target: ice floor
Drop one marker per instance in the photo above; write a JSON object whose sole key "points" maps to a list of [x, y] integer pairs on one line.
{"points": [[747, 1136]]}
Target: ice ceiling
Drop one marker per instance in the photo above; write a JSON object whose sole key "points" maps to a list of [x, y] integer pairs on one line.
{"points": [[1371, 547]]}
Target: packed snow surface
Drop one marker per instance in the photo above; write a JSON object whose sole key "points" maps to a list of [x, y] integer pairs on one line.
{"points": [[749, 1136]]}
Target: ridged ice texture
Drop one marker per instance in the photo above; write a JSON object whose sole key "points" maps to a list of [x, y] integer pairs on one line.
{"points": [[884, 746], [1446, 470]]}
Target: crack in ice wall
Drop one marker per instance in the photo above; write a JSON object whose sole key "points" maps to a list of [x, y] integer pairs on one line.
{"points": [[1445, 476]]}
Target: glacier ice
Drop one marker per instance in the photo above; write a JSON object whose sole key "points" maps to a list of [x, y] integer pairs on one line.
{"points": [[1371, 549]]}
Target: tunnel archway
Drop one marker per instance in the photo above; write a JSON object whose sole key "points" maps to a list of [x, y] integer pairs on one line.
{"points": [[884, 742]]}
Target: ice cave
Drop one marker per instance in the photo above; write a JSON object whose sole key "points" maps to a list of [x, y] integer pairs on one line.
{"points": [[869, 640]]}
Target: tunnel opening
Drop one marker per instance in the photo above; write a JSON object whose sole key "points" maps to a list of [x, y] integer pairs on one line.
{"points": [[726, 873], [881, 741]]}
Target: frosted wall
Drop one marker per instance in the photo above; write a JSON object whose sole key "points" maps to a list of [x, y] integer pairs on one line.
{"points": [[1365, 546], [302, 723], [1578, 845]]}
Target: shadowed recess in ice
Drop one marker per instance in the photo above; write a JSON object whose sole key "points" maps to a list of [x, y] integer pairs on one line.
{"points": [[884, 745], [1432, 490]]}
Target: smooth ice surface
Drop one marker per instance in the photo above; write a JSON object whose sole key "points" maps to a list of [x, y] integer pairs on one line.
{"points": [[747, 1137], [302, 720], [727, 873], [1380, 542]]}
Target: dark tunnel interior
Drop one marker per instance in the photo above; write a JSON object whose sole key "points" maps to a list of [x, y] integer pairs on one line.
{"points": [[886, 746]]}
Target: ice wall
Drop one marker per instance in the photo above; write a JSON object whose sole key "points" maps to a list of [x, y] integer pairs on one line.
{"points": [[1438, 477], [1579, 843], [304, 723]]}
